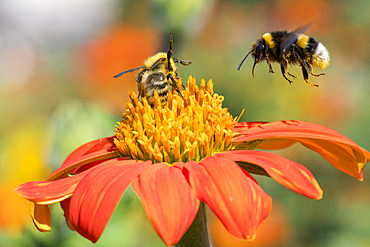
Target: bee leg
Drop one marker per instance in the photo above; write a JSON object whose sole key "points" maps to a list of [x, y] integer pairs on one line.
{"points": [[286, 65], [140, 89], [169, 54], [174, 84], [307, 68], [269, 64], [283, 73], [265, 53], [294, 77], [254, 65], [183, 62]]}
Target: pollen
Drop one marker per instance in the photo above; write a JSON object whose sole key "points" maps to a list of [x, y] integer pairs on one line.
{"points": [[190, 128], [269, 40]]}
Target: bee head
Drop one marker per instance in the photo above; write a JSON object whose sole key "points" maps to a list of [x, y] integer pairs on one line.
{"points": [[258, 52]]}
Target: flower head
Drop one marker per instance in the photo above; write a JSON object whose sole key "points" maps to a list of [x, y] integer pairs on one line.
{"points": [[188, 129], [179, 154]]}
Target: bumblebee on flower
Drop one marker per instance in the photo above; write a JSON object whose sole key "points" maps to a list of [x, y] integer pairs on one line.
{"points": [[178, 155], [158, 73]]}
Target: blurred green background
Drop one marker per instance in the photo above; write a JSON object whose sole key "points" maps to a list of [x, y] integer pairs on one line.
{"points": [[57, 61]]}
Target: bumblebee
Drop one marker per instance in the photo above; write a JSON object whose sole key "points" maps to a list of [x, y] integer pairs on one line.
{"points": [[286, 48], [157, 74]]}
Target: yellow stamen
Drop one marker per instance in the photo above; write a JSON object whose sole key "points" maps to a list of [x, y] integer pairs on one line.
{"points": [[183, 129]]}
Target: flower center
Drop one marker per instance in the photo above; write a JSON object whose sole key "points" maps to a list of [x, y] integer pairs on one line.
{"points": [[185, 129]]}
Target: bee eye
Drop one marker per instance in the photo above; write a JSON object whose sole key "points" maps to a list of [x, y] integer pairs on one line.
{"points": [[156, 77], [259, 49]]}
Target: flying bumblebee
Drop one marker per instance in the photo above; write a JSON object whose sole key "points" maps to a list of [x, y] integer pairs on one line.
{"points": [[157, 74], [287, 48]]}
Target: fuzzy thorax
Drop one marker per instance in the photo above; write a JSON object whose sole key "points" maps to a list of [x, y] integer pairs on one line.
{"points": [[189, 128], [160, 55]]}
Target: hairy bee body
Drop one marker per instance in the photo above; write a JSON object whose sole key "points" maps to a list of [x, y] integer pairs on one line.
{"points": [[158, 73], [293, 48], [155, 79]]}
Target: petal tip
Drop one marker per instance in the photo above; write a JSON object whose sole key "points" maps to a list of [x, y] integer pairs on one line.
{"points": [[319, 197]]}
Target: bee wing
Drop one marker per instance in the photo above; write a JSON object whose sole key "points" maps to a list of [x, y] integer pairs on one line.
{"points": [[183, 62], [292, 37], [128, 71]]}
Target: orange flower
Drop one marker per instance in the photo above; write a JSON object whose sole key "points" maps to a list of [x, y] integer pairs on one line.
{"points": [[175, 156]]}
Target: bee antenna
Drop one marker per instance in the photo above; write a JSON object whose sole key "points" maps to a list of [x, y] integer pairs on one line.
{"points": [[128, 71], [240, 65], [156, 63], [169, 53]]}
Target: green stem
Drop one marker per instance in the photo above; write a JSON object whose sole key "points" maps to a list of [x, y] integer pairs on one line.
{"points": [[197, 234]]}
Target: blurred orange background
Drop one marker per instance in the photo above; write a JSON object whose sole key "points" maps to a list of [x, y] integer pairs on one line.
{"points": [[57, 91]]}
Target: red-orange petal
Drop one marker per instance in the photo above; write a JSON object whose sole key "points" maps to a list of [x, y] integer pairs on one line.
{"points": [[98, 193], [65, 206], [340, 151], [234, 196], [41, 217], [100, 149], [284, 171], [49, 192], [101, 144], [168, 200]]}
